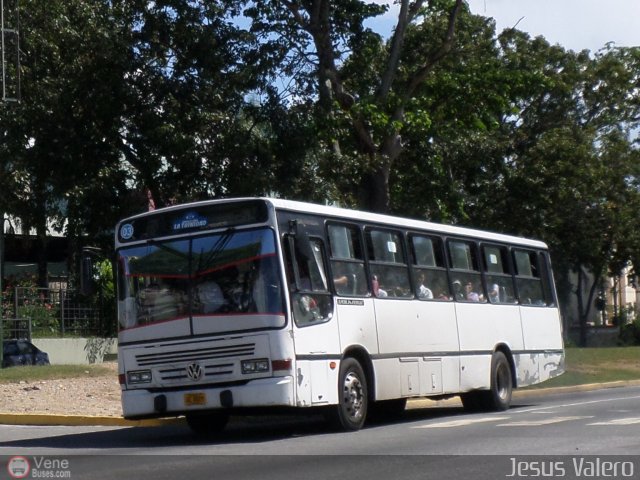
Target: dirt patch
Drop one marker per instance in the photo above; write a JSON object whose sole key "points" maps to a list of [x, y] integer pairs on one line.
{"points": [[95, 396]]}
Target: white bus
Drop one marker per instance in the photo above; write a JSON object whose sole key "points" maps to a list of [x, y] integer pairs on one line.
{"points": [[227, 306]]}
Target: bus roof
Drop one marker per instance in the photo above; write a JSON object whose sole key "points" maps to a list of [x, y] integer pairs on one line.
{"points": [[392, 220], [360, 215]]}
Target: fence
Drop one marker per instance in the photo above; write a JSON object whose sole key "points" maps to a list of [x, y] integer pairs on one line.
{"points": [[19, 328], [58, 312]]}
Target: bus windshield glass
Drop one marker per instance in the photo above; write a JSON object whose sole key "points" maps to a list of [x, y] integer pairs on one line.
{"points": [[232, 272]]}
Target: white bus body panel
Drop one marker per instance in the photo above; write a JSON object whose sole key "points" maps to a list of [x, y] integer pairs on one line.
{"points": [[158, 331], [316, 347], [541, 328], [542, 332], [220, 359], [418, 345], [481, 327], [357, 324], [275, 391]]}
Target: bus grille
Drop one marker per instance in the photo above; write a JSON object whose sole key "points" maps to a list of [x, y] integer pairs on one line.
{"points": [[210, 371], [202, 354]]}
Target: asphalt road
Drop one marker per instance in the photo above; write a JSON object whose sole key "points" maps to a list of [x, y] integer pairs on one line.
{"points": [[557, 433]]}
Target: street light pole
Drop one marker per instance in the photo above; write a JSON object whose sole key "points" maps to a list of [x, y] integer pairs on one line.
{"points": [[2, 289]]}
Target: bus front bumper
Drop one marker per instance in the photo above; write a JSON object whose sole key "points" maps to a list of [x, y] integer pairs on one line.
{"points": [[264, 392]]}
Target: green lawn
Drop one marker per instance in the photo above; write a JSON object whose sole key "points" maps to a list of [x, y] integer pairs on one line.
{"points": [[596, 365], [51, 372], [583, 365]]}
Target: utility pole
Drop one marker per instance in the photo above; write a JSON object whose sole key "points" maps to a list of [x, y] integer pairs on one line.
{"points": [[2, 289], [10, 50], [10, 78]]}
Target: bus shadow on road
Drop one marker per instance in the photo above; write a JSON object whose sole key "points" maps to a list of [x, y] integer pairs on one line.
{"points": [[241, 430]]}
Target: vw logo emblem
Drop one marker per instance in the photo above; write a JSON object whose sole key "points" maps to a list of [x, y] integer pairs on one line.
{"points": [[194, 372]]}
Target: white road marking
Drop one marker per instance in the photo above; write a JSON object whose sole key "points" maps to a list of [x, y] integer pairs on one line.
{"points": [[463, 422], [589, 402], [545, 421], [619, 421]]}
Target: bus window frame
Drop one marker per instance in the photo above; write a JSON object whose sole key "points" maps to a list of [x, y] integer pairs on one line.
{"points": [[475, 273], [439, 251], [404, 266], [507, 263], [310, 306], [519, 279], [356, 287]]}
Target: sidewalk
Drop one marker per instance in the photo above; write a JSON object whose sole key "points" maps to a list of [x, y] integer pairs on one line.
{"points": [[80, 420]]}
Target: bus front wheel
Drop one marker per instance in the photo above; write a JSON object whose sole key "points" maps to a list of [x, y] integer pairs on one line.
{"points": [[353, 401]]}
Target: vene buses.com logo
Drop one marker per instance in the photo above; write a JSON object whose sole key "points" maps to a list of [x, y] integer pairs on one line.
{"points": [[18, 467]]}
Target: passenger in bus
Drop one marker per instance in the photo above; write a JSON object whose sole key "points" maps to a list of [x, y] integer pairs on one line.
{"points": [[494, 293], [458, 294], [210, 296], [341, 279], [341, 282], [471, 294], [377, 291], [424, 292]]}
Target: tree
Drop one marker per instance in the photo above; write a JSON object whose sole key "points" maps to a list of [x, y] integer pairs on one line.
{"points": [[571, 174], [363, 87], [187, 71], [58, 135]]}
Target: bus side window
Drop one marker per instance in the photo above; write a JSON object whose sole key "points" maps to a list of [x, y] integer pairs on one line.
{"points": [[307, 279], [466, 283], [389, 271], [499, 281], [528, 282], [429, 268], [347, 260]]}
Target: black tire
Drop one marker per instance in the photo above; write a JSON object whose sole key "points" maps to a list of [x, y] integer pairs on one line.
{"points": [[498, 397], [353, 401], [207, 423]]}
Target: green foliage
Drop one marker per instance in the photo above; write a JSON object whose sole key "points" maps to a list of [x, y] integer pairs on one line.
{"points": [[33, 304], [597, 365], [630, 333], [177, 101]]}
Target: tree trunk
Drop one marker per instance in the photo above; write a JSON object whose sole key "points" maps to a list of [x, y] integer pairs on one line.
{"points": [[373, 194], [43, 274], [584, 305]]}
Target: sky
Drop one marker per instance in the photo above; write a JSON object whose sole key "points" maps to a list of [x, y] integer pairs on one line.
{"points": [[574, 24]]}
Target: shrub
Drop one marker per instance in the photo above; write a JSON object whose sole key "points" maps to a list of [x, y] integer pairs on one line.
{"points": [[630, 333]]}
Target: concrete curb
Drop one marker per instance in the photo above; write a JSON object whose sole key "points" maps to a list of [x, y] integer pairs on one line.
{"points": [[86, 420], [82, 420]]}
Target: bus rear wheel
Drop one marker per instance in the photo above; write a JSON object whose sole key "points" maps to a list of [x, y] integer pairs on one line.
{"points": [[498, 397], [353, 396], [207, 423], [501, 382]]}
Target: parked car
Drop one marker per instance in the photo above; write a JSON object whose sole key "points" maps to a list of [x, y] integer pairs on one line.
{"points": [[22, 352]]}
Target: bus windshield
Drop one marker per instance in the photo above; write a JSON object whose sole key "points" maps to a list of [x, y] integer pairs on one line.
{"points": [[232, 272]]}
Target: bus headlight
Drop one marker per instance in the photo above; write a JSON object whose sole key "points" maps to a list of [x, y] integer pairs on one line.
{"points": [[139, 376], [259, 365]]}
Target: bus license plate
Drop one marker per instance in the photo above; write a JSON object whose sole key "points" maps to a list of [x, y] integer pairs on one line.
{"points": [[191, 399]]}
